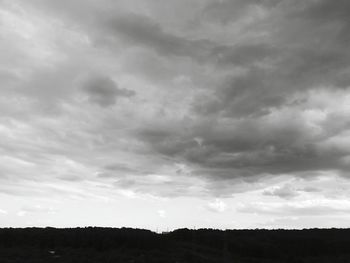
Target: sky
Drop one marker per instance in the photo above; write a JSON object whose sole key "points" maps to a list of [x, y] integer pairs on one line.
{"points": [[164, 114]]}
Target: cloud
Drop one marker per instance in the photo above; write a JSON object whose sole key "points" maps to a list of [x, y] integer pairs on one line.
{"points": [[141, 30], [32, 210], [37, 209], [285, 191], [217, 206], [290, 140], [304, 208], [325, 13], [3, 211], [230, 11], [263, 118], [104, 91], [161, 213]]}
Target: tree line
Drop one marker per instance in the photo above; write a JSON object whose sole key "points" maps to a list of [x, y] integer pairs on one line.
{"points": [[95, 244]]}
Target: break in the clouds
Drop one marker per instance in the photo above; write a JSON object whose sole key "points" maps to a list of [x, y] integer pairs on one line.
{"points": [[239, 107]]}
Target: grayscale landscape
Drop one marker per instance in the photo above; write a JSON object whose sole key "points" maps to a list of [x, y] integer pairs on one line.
{"points": [[170, 123]]}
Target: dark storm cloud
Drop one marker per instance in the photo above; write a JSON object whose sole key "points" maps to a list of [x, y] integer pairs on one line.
{"points": [[244, 54], [104, 91], [277, 143], [299, 53], [278, 68], [143, 31], [329, 13], [264, 88], [229, 11], [251, 94]]}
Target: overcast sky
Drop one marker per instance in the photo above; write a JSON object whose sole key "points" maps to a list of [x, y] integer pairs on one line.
{"points": [[162, 114]]}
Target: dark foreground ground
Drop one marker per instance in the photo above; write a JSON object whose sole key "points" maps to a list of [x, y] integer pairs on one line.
{"points": [[205, 245]]}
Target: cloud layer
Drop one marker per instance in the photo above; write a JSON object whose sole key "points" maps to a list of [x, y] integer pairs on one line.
{"points": [[202, 99]]}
